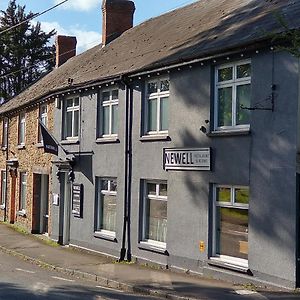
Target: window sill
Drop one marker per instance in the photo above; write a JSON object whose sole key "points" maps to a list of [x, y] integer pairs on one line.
{"points": [[4, 148], [158, 137], [20, 147], [152, 248], [2, 207], [107, 140], [70, 142], [39, 145], [104, 236], [21, 213], [217, 262], [229, 132]]}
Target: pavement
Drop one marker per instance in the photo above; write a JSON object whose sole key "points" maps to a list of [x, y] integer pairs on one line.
{"points": [[129, 277]]}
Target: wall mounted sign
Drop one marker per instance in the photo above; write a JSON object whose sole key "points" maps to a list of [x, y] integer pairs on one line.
{"points": [[77, 200], [187, 159]]}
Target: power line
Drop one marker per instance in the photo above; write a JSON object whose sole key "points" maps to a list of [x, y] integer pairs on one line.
{"points": [[33, 17]]}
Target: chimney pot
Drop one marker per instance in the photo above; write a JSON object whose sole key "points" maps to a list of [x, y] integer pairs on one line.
{"points": [[117, 18], [65, 48]]}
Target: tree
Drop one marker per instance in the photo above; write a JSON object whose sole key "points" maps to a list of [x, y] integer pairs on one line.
{"points": [[25, 51]]}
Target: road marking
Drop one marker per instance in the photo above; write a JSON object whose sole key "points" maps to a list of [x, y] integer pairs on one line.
{"points": [[110, 289], [25, 271], [63, 279], [245, 292]]}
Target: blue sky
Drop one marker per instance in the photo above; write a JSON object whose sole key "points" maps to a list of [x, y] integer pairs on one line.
{"points": [[83, 18]]}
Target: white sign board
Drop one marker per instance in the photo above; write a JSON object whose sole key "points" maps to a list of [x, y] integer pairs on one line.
{"points": [[187, 159]]}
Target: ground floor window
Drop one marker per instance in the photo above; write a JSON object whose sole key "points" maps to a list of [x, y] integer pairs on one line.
{"points": [[3, 188], [106, 205], [231, 205], [23, 187], [155, 213]]}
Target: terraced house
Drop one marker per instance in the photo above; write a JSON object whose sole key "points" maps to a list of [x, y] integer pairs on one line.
{"points": [[181, 138], [25, 169]]}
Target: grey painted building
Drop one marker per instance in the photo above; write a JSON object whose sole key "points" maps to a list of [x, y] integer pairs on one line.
{"points": [[181, 143]]}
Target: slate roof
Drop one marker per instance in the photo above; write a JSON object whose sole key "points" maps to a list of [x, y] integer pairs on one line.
{"points": [[197, 30]]}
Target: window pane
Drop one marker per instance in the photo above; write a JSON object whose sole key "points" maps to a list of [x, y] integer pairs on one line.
{"points": [[105, 96], [244, 71], [241, 196], [225, 106], [76, 102], [23, 178], [109, 212], [69, 102], [151, 187], [163, 189], [104, 185], [113, 185], [43, 109], [156, 220], [3, 187], [225, 74], [223, 194], [69, 124], [243, 93], [152, 87], [105, 120], [22, 133], [164, 85], [152, 115], [115, 119], [232, 232], [76, 122], [115, 94], [164, 113]]}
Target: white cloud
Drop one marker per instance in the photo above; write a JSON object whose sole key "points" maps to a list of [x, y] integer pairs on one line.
{"points": [[81, 5], [85, 39]]}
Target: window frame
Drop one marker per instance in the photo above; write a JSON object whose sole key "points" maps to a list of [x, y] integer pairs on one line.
{"points": [[4, 132], [145, 198], [219, 257], [22, 124], [100, 112], [22, 183], [158, 95], [74, 108], [99, 203], [233, 83], [42, 116], [3, 188]]}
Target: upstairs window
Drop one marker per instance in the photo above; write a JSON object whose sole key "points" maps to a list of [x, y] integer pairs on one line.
{"points": [[4, 133], [108, 113], [43, 117], [71, 118], [22, 127], [232, 93], [157, 106]]}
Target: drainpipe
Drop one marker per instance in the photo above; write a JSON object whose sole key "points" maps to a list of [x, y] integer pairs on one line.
{"points": [[127, 174], [6, 172]]}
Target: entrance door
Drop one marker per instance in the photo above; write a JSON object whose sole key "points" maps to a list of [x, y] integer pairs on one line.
{"points": [[12, 215], [40, 203], [65, 209]]}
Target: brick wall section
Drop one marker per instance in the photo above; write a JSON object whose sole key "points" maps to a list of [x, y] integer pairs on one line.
{"points": [[31, 159]]}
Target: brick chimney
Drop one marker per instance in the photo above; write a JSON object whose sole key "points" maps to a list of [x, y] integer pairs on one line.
{"points": [[117, 18], [65, 48]]}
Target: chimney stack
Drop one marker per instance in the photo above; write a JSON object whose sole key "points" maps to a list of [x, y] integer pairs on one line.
{"points": [[65, 48], [117, 18]]}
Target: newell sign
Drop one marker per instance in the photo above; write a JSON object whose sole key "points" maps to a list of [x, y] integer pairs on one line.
{"points": [[187, 159], [77, 200]]}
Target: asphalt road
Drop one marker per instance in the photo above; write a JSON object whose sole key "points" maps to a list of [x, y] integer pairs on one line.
{"points": [[20, 280]]}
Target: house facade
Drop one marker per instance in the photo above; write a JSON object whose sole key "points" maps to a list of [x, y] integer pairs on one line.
{"points": [[181, 150]]}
